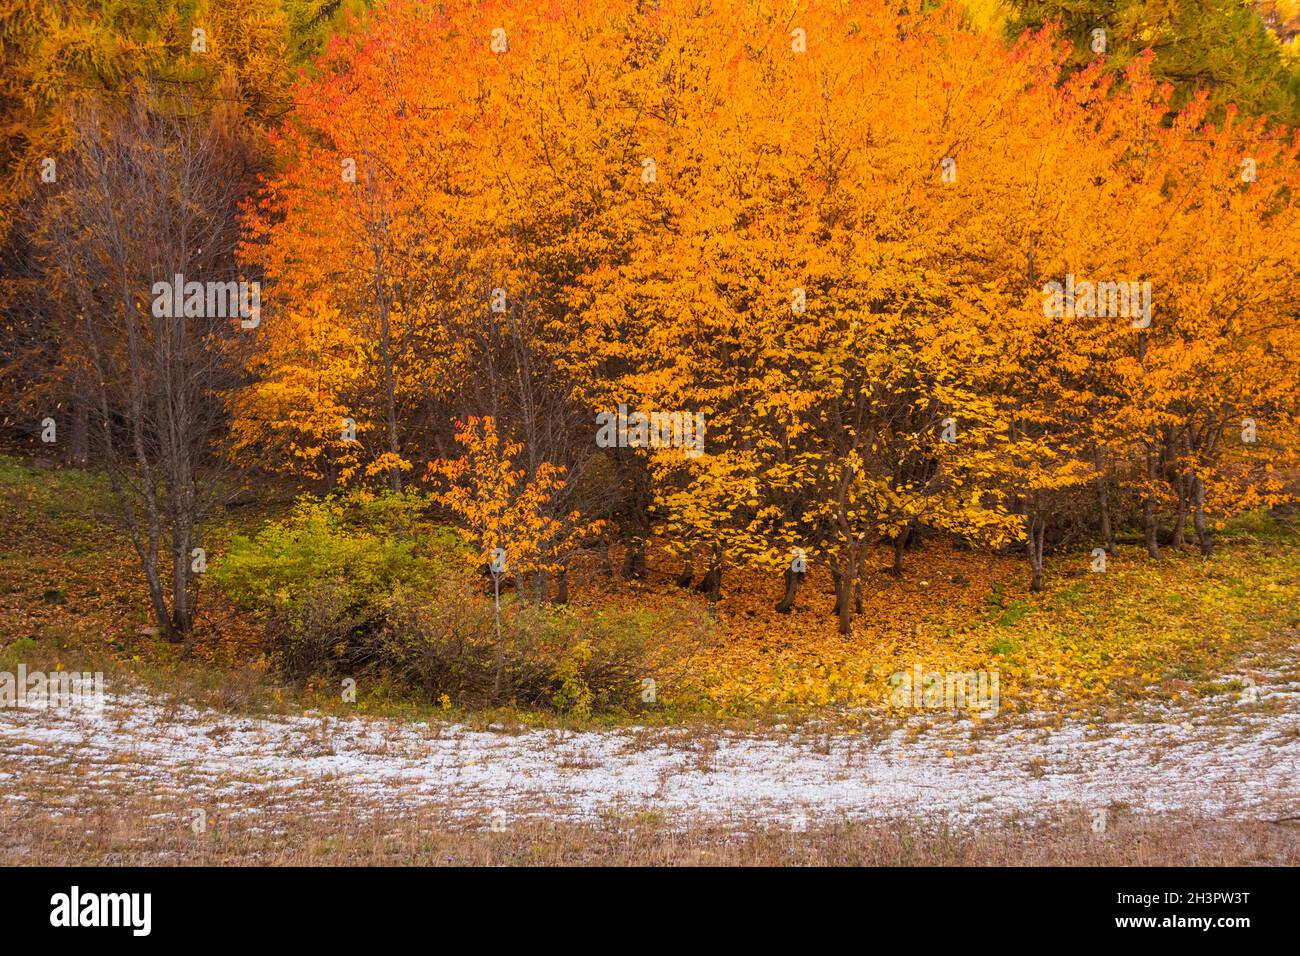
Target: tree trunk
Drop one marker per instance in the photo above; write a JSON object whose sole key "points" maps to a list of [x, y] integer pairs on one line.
{"points": [[844, 604], [1103, 504], [499, 670], [1037, 534], [158, 600], [1151, 529], [711, 584], [79, 439], [561, 587], [844, 591], [688, 571], [634, 562], [793, 579], [1203, 536], [181, 617], [1180, 519], [1149, 524], [900, 545]]}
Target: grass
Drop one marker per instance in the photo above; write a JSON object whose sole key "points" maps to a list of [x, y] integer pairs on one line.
{"points": [[1138, 631], [160, 829], [71, 595]]}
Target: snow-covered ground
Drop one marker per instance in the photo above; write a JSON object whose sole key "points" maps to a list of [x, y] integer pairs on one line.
{"points": [[1222, 758]]}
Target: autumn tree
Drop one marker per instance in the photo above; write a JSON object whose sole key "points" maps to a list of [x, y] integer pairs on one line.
{"points": [[210, 56], [505, 516], [831, 236]]}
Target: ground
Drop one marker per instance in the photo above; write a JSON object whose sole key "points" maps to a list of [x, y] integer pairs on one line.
{"points": [[1149, 714], [1224, 760]]}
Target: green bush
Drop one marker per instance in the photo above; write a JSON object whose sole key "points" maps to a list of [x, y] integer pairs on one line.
{"points": [[320, 578], [350, 585]]}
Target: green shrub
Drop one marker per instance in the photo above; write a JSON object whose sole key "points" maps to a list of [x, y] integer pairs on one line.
{"points": [[353, 585], [320, 578]]}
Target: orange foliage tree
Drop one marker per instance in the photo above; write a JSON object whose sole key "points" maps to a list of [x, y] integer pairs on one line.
{"points": [[843, 235]]}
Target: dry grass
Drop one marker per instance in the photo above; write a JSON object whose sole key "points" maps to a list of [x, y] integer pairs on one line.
{"points": [[58, 822], [158, 832]]}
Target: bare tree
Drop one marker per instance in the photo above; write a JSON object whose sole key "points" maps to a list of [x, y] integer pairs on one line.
{"points": [[147, 209]]}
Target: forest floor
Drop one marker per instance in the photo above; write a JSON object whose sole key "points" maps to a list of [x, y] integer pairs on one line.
{"points": [[1149, 714]]}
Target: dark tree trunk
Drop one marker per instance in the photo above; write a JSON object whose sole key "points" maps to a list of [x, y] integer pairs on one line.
{"points": [[688, 571], [1149, 524], [793, 579], [1151, 529], [900, 545], [844, 602], [158, 602], [561, 587], [1037, 535], [1107, 531], [844, 580], [711, 584], [634, 562], [1180, 519], [181, 623], [79, 439], [1203, 537], [1103, 504]]}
